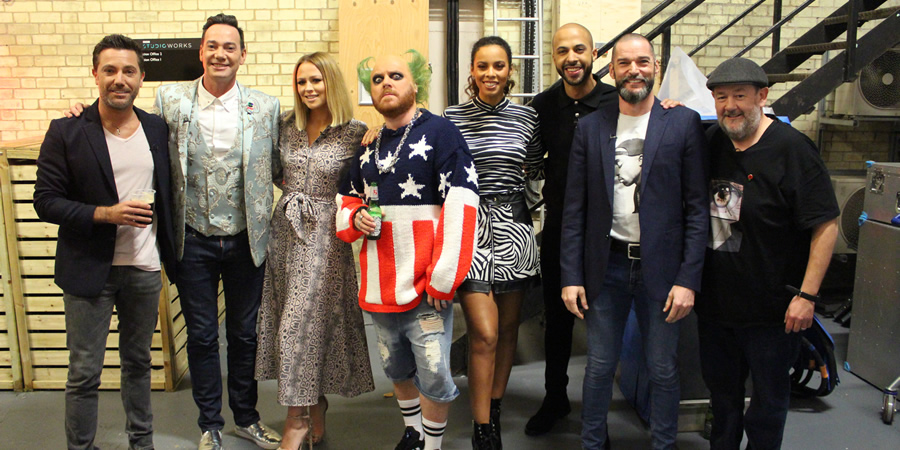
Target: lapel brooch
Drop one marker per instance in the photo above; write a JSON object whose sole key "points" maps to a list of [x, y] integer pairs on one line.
{"points": [[251, 108]]}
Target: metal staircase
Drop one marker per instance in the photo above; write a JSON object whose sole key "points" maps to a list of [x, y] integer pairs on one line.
{"points": [[856, 54], [813, 86]]}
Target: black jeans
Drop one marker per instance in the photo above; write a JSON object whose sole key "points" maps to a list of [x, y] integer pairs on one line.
{"points": [[559, 321], [206, 260], [727, 357]]}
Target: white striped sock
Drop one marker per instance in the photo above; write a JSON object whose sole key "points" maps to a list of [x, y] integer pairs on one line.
{"points": [[412, 413], [434, 434]]}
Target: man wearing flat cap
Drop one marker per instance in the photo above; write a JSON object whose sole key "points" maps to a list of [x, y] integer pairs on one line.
{"points": [[772, 229]]}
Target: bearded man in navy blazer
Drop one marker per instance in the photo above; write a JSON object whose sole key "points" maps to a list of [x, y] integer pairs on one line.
{"points": [[111, 238], [634, 234]]}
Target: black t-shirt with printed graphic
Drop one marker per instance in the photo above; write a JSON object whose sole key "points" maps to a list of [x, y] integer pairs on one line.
{"points": [[764, 202]]}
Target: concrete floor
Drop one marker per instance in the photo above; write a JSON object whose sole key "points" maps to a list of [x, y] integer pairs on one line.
{"points": [[848, 419]]}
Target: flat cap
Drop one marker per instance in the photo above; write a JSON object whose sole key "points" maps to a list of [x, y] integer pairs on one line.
{"points": [[738, 71]]}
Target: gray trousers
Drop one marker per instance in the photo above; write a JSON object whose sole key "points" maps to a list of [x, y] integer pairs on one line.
{"points": [[135, 295]]}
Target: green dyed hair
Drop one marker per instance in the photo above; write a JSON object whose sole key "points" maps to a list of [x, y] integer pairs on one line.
{"points": [[418, 67]]}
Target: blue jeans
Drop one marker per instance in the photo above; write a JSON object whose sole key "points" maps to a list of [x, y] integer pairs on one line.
{"points": [[727, 357], [206, 260], [416, 344], [623, 287], [135, 295]]}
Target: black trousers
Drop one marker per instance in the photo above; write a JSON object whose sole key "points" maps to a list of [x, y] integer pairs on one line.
{"points": [[559, 321]]}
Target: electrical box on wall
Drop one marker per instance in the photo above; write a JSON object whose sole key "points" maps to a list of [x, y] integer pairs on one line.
{"points": [[876, 92]]}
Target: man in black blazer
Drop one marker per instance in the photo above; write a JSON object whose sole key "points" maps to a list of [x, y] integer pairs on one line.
{"points": [[112, 237], [633, 236]]}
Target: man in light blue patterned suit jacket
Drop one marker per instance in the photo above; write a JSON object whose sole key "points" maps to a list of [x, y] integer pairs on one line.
{"points": [[222, 143]]}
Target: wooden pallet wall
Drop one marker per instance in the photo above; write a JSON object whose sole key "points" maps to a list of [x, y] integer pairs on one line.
{"points": [[33, 353]]}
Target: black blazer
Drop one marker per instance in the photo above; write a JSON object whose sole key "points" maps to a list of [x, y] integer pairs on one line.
{"points": [[674, 215], [74, 176]]}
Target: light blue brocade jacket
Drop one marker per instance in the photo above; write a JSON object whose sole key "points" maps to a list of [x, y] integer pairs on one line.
{"points": [[177, 105]]}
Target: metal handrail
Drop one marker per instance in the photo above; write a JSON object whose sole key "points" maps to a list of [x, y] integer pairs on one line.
{"points": [[774, 27], [665, 25], [734, 21]]}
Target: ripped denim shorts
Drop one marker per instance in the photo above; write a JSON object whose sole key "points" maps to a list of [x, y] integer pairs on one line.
{"points": [[416, 344]]}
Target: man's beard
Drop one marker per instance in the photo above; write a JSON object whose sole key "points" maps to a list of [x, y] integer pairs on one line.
{"points": [[746, 129], [406, 103], [585, 73], [638, 96], [117, 104]]}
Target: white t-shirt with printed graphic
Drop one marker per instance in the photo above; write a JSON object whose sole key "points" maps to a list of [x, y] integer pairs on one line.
{"points": [[630, 133]]}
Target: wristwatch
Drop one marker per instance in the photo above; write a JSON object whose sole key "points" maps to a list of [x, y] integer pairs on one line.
{"points": [[801, 294]]}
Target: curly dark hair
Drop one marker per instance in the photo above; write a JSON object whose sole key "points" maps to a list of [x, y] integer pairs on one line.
{"points": [[472, 88]]}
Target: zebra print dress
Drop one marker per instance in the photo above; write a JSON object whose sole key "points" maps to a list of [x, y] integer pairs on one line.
{"points": [[505, 143]]}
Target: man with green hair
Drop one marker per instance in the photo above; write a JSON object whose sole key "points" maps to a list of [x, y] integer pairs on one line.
{"points": [[422, 175]]}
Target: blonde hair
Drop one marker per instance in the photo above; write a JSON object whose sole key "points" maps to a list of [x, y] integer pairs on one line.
{"points": [[336, 96]]}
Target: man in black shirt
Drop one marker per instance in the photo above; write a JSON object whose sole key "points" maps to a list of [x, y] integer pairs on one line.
{"points": [[559, 108], [773, 227]]}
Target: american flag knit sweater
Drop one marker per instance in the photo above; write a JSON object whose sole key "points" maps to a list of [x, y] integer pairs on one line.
{"points": [[429, 203]]}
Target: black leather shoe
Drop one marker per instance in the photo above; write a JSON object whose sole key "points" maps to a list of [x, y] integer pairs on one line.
{"points": [[481, 437], [543, 421], [495, 424], [410, 440]]}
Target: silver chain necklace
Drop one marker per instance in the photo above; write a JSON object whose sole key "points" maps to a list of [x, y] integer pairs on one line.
{"points": [[387, 164]]}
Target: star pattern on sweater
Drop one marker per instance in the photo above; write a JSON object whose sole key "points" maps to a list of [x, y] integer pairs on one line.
{"points": [[364, 158], [444, 185], [472, 175], [419, 149], [410, 188]]}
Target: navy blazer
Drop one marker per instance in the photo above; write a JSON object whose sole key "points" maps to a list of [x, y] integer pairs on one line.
{"points": [[674, 215], [74, 176]]}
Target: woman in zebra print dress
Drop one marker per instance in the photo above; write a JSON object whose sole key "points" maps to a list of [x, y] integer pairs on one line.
{"points": [[505, 143]]}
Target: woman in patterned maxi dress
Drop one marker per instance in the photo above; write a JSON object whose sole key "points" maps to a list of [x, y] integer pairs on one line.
{"points": [[505, 143], [311, 332]]}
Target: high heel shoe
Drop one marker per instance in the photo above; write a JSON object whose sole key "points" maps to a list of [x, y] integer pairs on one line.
{"points": [[298, 422], [317, 439]]}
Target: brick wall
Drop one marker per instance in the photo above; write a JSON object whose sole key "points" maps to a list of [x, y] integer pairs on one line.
{"points": [[842, 147], [45, 48]]}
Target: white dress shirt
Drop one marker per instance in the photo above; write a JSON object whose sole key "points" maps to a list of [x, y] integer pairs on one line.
{"points": [[219, 119]]}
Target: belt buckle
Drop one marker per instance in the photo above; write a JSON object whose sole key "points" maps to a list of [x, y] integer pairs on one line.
{"points": [[634, 251]]}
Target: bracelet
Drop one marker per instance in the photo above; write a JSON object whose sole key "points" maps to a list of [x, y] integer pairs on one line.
{"points": [[801, 294]]}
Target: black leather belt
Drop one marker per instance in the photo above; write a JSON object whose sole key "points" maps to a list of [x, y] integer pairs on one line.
{"points": [[632, 250], [499, 199]]}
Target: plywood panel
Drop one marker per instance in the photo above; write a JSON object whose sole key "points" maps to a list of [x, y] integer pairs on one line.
{"points": [[36, 230], [24, 172], [370, 28], [40, 286], [37, 267], [23, 192], [37, 249], [25, 211], [6, 379], [44, 304]]}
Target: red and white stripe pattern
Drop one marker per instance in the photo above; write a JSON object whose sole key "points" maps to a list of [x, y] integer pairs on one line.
{"points": [[423, 248]]}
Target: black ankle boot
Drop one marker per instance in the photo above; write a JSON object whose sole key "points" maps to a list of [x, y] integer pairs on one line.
{"points": [[481, 437], [495, 423]]}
